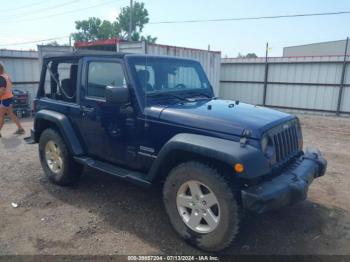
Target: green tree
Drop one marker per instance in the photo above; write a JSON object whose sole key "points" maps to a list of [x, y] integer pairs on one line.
{"points": [[249, 55], [94, 28], [55, 43], [149, 39]]}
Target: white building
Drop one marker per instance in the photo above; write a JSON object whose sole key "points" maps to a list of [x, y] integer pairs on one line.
{"points": [[331, 48]]}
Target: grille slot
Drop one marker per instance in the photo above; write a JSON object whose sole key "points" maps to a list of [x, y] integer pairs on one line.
{"points": [[285, 142]]}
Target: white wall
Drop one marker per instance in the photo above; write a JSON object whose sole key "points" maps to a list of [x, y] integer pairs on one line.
{"points": [[330, 48], [288, 79], [23, 67]]}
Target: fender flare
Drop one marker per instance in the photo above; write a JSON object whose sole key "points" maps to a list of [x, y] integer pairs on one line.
{"points": [[65, 127], [229, 152]]}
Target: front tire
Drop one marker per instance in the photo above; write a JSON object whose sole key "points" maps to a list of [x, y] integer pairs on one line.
{"points": [[201, 206], [56, 160]]}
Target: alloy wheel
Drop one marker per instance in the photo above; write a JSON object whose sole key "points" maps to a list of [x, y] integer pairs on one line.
{"points": [[198, 207]]}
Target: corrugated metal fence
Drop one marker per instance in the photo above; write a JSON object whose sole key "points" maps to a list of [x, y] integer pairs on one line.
{"points": [[44, 50], [23, 67], [303, 83]]}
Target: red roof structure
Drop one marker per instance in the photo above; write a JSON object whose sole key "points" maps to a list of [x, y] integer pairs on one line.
{"points": [[104, 42]]}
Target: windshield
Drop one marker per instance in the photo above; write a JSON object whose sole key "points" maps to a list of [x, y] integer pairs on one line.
{"points": [[168, 76]]}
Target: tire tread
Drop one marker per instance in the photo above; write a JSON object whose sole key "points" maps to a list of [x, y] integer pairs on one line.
{"points": [[229, 196], [72, 169]]}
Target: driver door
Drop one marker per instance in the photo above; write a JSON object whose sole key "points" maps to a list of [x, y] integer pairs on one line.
{"points": [[103, 126]]}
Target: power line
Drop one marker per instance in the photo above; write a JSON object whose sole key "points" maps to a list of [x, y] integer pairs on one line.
{"points": [[44, 9], [250, 18], [36, 41], [24, 6], [175, 22], [64, 13], [57, 14]]}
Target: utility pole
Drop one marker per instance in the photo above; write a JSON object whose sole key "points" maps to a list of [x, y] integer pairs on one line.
{"points": [[130, 21], [341, 86]]}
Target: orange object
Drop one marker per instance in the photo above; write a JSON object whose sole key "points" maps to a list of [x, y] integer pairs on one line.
{"points": [[239, 168], [8, 90]]}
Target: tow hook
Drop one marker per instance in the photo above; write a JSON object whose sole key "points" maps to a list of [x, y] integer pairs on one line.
{"points": [[315, 155]]}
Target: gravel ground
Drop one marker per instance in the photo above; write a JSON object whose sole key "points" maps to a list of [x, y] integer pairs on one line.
{"points": [[103, 215]]}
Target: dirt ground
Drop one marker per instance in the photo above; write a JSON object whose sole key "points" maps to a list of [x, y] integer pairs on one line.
{"points": [[103, 215]]}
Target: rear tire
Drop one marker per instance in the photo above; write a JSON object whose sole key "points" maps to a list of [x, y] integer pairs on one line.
{"points": [[207, 219], [56, 160]]}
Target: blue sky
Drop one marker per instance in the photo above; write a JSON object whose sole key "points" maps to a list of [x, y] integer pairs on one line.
{"points": [[32, 20]]}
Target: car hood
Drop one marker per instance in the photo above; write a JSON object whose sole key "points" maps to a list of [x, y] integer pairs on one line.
{"points": [[223, 116]]}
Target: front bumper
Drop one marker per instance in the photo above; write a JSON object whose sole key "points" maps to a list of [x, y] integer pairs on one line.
{"points": [[288, 188]]}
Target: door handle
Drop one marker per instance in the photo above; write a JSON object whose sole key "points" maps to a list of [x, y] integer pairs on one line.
{"points": [[87, 109]]}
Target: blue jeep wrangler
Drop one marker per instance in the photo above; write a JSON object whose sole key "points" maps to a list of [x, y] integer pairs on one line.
{"points": [[152, 119]]}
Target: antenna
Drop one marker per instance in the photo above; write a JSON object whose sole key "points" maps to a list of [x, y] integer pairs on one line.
{"points": [[145, 86]]}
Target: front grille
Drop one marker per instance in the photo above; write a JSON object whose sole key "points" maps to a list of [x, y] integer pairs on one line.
{"points": [[285, 141]]}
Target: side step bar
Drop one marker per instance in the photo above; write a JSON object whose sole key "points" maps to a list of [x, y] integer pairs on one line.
{"points": [[29, 140], [126, 174]]}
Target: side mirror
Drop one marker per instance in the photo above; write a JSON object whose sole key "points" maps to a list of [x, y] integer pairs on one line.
{"points": [[117, 95]]}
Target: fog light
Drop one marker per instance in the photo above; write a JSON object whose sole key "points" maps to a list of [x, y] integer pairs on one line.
{"points": [[239, 168]]}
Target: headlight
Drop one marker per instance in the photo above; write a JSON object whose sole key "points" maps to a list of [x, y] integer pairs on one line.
{"points": [[267, 147]]}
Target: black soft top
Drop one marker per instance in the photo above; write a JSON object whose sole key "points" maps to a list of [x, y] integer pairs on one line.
{"points": [[84, 53]]}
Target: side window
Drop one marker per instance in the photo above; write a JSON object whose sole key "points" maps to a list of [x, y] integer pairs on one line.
{"points": [[103, 74], [48, 88], [61, 80], [146, 76]]}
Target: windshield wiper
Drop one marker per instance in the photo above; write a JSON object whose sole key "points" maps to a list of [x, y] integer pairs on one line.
{"points": [[206, 95], [170, 95], [194, 94]]}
